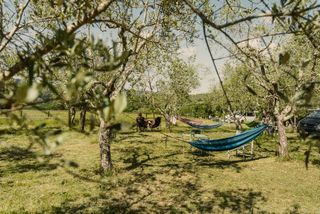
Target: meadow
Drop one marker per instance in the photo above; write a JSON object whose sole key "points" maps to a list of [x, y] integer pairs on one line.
{"points": [[154, 172]]}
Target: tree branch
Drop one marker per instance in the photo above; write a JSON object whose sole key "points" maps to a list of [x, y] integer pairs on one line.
{"points": [[247, 18], [53, 43], [5, 42]]}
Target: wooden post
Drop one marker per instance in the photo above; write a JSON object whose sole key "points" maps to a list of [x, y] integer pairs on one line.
{"points": [[165, 141], [243, 153], [251, 151]]}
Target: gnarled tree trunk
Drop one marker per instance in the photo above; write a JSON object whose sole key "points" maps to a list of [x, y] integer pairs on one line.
{"points": [[283, 141], [83, 119], [237, 122], [168, 122], [105, 137], [71, 116]]}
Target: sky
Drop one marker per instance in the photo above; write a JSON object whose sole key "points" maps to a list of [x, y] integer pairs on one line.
{"points": [[203, 63]]}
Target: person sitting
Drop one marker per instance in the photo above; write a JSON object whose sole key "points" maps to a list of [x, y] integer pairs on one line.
{"points": [[141, 122]]}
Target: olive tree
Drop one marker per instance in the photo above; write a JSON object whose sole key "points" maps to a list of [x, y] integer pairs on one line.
{"points": [[46, 44], [169, 86], [248, 33]]}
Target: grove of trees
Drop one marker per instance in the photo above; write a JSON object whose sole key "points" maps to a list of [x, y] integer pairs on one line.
{"points": [[86, 52]]}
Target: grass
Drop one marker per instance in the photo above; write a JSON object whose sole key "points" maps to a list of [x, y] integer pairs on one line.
{"points": [[151, 175]]}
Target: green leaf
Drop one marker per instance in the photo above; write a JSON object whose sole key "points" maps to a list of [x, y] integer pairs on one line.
{"points": [[3, 101], [40, 126], [107, 112], [60, 2], [274, 10], [283, 2], [305, 63], [284, 58], [26, 93], [21, 93], [32, 93], [263, 71], [120, 103], [251, 90], [126, 126]]}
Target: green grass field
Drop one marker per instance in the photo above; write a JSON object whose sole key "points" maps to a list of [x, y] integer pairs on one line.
{"points": [[152, 174]]}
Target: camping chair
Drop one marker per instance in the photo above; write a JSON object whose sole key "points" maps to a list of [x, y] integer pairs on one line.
{"points": [[153, 124]]}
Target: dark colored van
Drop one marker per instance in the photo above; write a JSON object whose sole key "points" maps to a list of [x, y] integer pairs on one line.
{"points": [[310, 124]]}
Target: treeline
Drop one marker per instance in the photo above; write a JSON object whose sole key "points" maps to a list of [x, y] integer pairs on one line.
{"points": [[196, 105]]}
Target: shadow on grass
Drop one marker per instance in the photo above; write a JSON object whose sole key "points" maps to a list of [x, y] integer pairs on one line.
{"points": [[20, 160], [165, 183], [11, 131], [131, 139], [206, 160], [21, 168], [187, 198], [224, 164], [316, 163], [240, 200], [135, 162], [16, 154]]}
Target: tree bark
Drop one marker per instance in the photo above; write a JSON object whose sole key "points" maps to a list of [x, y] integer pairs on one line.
{"points": [[168, 122], [238, 124], [71, 116], [105, 137], [83, 119], [283, 141], [1, 23]]}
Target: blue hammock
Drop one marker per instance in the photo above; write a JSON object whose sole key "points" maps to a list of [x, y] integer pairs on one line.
{"points": [[200, 126], [230, 142]]}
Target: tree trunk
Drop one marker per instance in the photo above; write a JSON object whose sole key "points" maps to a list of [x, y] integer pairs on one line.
{"points": [[238, 124], [283, 141], [105, 137], [71, 116], [92, 121], [82, 119], [168, 122], [168, 125], [295, 125], [1, 23]]}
